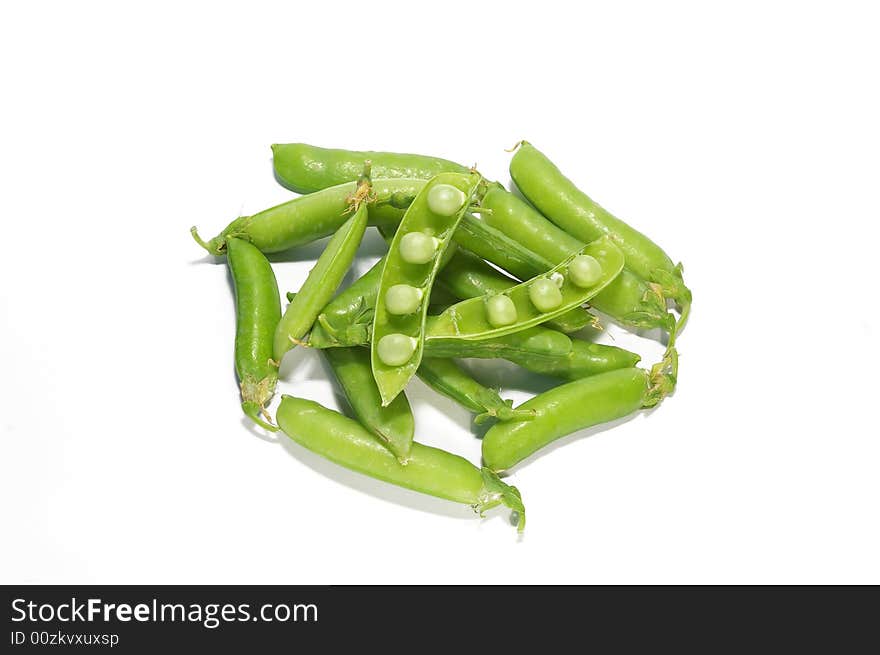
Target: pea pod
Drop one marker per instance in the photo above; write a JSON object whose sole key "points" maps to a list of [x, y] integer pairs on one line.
{"points": [[530, 303], [258, 310], [429, 470], [562, 202], [577, 405], [393, 424], [321, 284], [628, 299], [315, 216], [447, 377], [583, 360], [305, 169], [408, 274], [468, 276]]}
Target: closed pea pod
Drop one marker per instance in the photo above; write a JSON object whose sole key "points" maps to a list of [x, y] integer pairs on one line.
{"points": [[447, 377], [305, 168], [428, 470], [577, 405], [321, 284], [583, 360], [258, 310], [397, 338], [536, 300], [394, 423], [574, 211], [315, 216]]}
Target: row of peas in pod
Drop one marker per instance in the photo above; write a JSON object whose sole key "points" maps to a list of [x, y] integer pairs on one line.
{"points": [[472, 271]]}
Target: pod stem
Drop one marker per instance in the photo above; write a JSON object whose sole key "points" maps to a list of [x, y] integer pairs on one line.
{"points": [[364, 191], [662, 378], [495, 493], [516, 146], [256, 413], [194, 231], [505, 413]]}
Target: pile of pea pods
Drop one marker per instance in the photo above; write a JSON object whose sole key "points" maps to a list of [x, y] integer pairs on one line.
{"points": [[472, 270]]}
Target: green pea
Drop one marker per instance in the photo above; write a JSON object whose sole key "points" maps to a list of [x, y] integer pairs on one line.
{"points": [[628, 299], [545, 294], [395, 349], [584, 271], [418, 248], [402, 299], [557, 197], [445, 199], [500, 311], [392, 378]]}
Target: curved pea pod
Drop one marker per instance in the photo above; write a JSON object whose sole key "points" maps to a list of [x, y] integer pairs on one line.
{"points": [[393, 424], [399, 319], [577, 405], [629, 299], [428, 470], [583, 360], [530, 303], [304, 168], [562, 202], [320, 285], [258, 310], [446, 377], [315, 216]]}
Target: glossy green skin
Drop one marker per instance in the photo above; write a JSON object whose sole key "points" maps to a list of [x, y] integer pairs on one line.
{"points": [[565, 409], [628, 299], [532, 343], [537, 349], [468, 319], [494, 246], [393, 424], [446, 377], [562, 202], [258, 310], [315, 216], [347, 320], [583, 360], [392, 379], [304, 168], [429, 470], [468, 276], [321, 283]]}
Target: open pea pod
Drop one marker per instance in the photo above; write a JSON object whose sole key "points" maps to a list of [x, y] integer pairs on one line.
{"points": [[413, 259], [570, 284]]}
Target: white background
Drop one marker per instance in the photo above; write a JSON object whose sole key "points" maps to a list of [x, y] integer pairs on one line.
{"points": [[741, 136]]}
